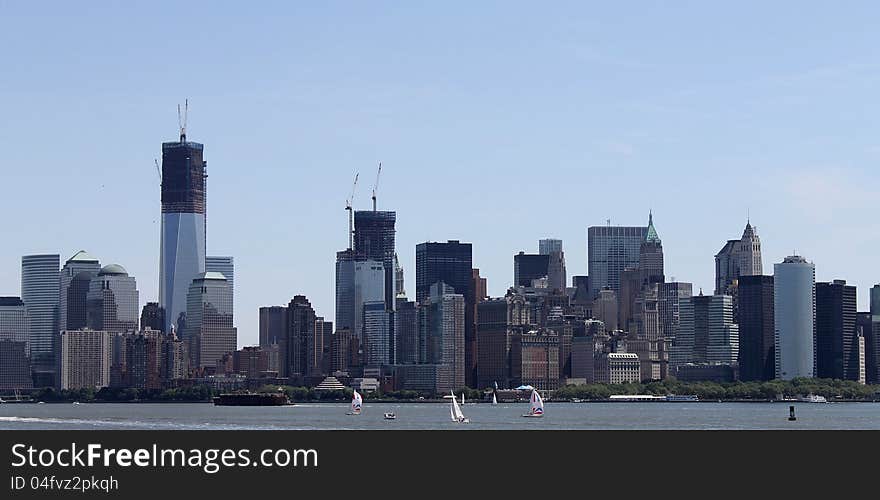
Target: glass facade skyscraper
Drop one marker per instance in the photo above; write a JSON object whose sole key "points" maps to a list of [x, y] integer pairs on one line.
{"points": [[794, 311], [610, 250], [76, 274], [209, 331], [183, 238], [224, 265], [40, 284], [374, 239], [112, 302]]}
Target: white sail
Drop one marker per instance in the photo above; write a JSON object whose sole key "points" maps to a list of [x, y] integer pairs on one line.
{"points": [[457, 415], [494, 399], [537, 403], [356, 403], [462, 399]]}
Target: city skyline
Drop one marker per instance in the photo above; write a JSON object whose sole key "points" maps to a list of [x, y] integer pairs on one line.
{"points": [[802, 189]]}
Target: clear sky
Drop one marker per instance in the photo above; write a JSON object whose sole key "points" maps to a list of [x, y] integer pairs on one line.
{"points": [[498, 123]]}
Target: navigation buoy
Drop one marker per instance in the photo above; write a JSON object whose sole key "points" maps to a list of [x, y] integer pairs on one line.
{"points": [[791, 416]]}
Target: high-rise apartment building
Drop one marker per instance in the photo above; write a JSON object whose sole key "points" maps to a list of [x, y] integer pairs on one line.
{"points": [[794, 315], [85, 359], [40, 284], [183, 233]]}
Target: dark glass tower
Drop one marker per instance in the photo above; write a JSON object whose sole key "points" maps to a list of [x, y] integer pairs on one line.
{"points": [[836, 343], [300, 332], [183, 238], [374, 239], [451, 263], [757, 351], [529, 267]]}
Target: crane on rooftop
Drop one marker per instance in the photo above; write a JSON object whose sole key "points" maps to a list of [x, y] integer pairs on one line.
{"points": [[350, 212], [376, 186]]}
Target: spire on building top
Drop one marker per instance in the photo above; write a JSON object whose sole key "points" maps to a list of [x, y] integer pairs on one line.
{"points": [[652, 235]]}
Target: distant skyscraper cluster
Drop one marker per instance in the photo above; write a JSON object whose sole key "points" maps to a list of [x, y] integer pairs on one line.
{"points": [[77, 325]]}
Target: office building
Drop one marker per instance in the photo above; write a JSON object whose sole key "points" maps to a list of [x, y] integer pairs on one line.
{"points": [[500, 321], [737, 258], [617, 368], [757, 358], [605, 309], [706, 333], [669, 300], [153, 317], [527, 268], [300, 332], [40, 284], [872, 339], [837, 354], [112, 301], [374, 239], [794, 315], [651, 254], [183, 233], [273, 332], [15, 322], [345, 289], [556, 275], [610, 250], [315, 348], [75, 277], [442, 326], [406, 332], [452, 264], [539, 359], [376, 339], [224, 265], [369, 286], [85, 359], [251, 361], [209, 332]]}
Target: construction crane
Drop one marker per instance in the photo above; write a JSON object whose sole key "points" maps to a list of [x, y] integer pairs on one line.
{"points": [[158, 170], [181, 120], [351, 213], [376, 186]]}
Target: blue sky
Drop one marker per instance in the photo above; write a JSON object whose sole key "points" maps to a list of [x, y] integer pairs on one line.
{"points": [[497, 123]]}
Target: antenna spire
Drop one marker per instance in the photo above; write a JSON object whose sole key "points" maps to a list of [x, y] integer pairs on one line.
{"points": [[181, 119]]}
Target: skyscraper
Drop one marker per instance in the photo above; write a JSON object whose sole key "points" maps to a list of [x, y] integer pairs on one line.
{"points": [[376, 334], [707, 333], [85, 359], [872, 339], [406, 332], [374, 239], [794, 311], [112, 301], [209, 331], [183, 233], [273, 335], [345, 289], [369, 286], [224, 265], [670, 296], [556, 275], [444, 325], [757, 358], [651, 254], [529, 267], [737, 258], [14, 321], [451, 263], [76, 274], [40, 283], [301, 328], [610, 250], [316, 346], [399, 287], [837, 354]]}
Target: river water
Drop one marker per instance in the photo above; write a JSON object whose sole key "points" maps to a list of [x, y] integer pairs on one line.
{"points": [[428, 416]]}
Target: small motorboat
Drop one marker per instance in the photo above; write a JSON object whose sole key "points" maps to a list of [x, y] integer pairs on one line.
{"points": [[389, 415]]}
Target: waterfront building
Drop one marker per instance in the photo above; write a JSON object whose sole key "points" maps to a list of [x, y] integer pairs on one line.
{"points": [[618, 368], [837, 354], [40, 284], [538, 352], [794, 315], [757, 358], [85, 357], [183, 233]]}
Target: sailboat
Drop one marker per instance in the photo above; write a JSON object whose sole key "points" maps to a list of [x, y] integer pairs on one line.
{"points": [[455, 412], [356, 403], [537, 409], [494, 399]]}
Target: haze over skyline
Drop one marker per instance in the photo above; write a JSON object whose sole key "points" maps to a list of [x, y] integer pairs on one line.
{"points": [[496, 123]]}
